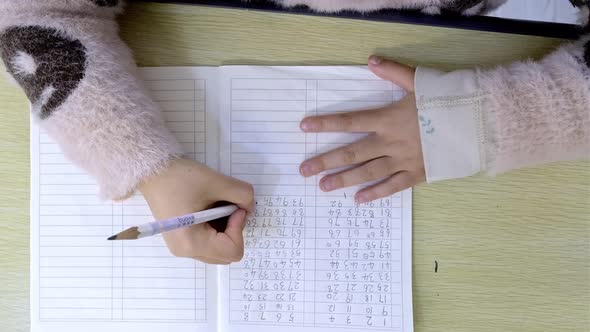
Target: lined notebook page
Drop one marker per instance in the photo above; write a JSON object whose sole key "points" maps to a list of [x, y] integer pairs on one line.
{"points": [[80, 280], [313, 260]]}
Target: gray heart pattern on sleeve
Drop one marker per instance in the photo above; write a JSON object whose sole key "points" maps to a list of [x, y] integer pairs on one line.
{"points": [[47, 64]]}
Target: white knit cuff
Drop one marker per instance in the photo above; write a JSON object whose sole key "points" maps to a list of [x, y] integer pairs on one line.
{"points": [[451, 123]]}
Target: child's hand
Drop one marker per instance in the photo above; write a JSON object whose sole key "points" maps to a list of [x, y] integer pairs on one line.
{"points": [[188, 186], [392, 151]]}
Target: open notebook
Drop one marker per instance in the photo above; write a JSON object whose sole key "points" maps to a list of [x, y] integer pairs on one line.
{"points": [[313, 260]]}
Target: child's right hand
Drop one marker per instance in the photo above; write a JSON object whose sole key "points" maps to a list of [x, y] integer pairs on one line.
{"points": [[187, 186]]}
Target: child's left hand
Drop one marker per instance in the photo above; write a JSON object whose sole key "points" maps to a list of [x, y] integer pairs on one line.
{"points": [[392, 151]]}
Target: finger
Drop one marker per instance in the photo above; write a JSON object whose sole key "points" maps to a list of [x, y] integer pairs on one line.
{"points": [[235, 227], [355, 153], [390, 186], [397, 73], [188, 242], [372, 170], [238, 192], [229, 245], [359, 122]]}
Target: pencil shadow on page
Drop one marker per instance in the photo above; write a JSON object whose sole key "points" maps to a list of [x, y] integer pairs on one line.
{"points": [[244, 170], [255, 166]]}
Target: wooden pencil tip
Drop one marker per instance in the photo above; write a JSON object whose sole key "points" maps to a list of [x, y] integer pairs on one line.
{"points": [[128, 234]]}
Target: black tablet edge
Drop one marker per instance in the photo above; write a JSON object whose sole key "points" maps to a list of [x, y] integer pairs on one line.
{"points": [[479, 23]]}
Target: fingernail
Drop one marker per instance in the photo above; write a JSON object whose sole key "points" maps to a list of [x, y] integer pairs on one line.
{"points": [[306, 170], [375, 60], [327, 185], [307, 125]]}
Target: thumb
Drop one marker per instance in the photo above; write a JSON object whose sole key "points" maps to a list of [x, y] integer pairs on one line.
{"points": [[234, 231], [397, 73], [229, 245]]}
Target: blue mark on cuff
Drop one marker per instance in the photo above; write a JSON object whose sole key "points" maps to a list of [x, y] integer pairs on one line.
{"points": [[426, 124]]}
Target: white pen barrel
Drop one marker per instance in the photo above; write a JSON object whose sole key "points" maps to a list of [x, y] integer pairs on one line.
{"points": [[171, 224], [166, 225]]}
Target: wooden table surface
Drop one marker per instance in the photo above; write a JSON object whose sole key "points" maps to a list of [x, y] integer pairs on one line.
{"points": [[513, 251]]}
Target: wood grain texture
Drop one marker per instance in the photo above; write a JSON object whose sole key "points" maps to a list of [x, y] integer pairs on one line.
{"points": [[513, 251], [14, 207]]}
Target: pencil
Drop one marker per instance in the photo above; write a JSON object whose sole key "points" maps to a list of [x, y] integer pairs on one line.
{"points": [[167, 225]]}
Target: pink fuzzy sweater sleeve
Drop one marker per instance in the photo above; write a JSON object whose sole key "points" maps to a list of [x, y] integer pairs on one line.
{"points": [[539, 111], [84, 89], [494, 120]]}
